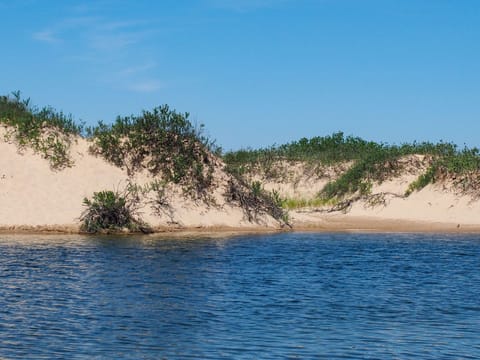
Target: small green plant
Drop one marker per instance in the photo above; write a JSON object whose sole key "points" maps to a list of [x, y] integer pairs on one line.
{"points": [[109, 211], [299, 203], [160, 203], [257, 189], [278, 200], [365, 187]]}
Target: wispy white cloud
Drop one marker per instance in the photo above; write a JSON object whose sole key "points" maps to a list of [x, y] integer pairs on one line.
{"points": [[47, 36], [146, 86], [110, 35], [116, 25], [137, 69], [111, 42], [111, 47], [56, 32], [245, 5]]}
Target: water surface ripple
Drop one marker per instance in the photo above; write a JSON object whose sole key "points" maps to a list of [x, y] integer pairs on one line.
{"points": [[284, 296]]}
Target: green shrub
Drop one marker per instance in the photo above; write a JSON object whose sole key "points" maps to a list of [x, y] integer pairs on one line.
{"points": [[109, 211], [257, 189], [164, 142]]}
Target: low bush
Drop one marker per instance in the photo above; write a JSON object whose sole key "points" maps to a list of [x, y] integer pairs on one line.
{"points": [[110, 211], [164, 142]]}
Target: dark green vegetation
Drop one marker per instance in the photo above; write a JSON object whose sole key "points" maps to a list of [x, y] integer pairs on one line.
{"points": [[45, 130], [112, 212], [370, 161], [162, 141]]}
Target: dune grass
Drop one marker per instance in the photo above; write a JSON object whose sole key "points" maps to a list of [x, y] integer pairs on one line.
{"points": [[164, 142], [300, 203], [371, 161], [46, 131]]}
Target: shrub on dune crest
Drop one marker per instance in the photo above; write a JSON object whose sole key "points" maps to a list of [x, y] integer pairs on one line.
{"points": [[163, 141]]}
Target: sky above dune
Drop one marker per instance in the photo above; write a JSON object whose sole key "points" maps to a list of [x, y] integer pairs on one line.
{"points": [[256, 73]]}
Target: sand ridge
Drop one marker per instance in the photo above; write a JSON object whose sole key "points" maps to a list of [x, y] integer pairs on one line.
{"points": [[35, 198]]}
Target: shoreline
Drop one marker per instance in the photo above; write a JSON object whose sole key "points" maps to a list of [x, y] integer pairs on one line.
{"points": [[52, 202], [333, 224]]}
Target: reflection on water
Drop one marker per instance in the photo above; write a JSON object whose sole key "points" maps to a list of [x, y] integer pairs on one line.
{"points": [[329, 296]]}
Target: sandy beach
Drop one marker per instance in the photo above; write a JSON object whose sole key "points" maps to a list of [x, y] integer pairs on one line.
{"points": [[34, 198]]}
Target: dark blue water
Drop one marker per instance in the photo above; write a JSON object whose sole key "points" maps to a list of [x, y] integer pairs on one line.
{"points": [[285, 296]]}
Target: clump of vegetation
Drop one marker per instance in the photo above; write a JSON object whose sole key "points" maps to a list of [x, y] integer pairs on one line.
{"points": [[45, 130], [255, 201], [461, 167], [164, 142], [111, 212], [371, 161], [325, 150], [423, 180], [299, 203]]}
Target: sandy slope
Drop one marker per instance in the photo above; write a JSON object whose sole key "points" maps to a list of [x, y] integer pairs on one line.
{"points": [[435, 208], [32, 196]]}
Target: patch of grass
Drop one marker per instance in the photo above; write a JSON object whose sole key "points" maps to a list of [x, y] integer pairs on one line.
{"points": [[378, 165], [371, 161], [45, 130], [460, 165], [461, 162], [423, 180], [299, 203], [325, 150]]}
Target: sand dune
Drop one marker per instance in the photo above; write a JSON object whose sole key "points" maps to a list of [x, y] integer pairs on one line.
{"points": [[437, 207], [33, 197]]}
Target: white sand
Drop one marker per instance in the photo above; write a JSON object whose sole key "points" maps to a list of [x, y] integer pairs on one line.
{"points": [[34, 197], [435, 207]]}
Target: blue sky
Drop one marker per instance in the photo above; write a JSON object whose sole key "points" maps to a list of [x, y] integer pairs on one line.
{"points": [[255, 72]]}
